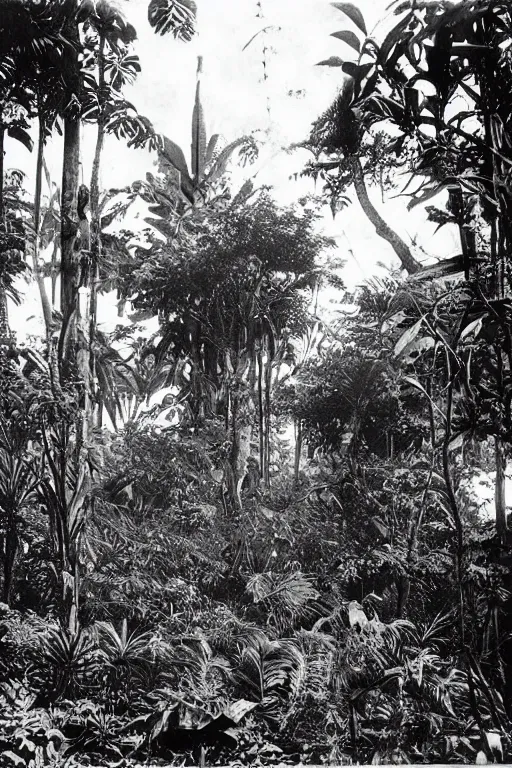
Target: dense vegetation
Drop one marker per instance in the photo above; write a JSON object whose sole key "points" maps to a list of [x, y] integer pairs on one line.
{"points": [[251, 536]]}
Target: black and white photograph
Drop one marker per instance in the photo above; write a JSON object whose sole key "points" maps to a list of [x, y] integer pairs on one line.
{"points": [[255, 383]]}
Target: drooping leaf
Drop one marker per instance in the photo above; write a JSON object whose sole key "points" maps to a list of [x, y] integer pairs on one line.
{"points": [[332, 61], [21, 135], [348, 37], [174, 155], [407, 337], [353, 13], [417, 385], [472, 328], [221, 162]]}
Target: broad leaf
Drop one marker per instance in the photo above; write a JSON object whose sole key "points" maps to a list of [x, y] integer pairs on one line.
{"points": [[407, 337], [417, 385], [350, 38], [332, 61], [19, 134], [173, 154], [354, 14], [472, 328]]}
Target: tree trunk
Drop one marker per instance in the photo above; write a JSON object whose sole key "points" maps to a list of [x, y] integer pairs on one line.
{"points": [[2, 209], [45, 303], [261, 411], [95, 217], [268, 388], [70, 262], [69, 227], [5, 333], [499, 495], [11, 550], [401, 249], [403, 585], [298, 451]]}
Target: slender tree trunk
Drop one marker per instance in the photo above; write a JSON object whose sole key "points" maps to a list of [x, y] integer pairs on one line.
{"points": [[95, 217], [45, 303], [2, 207], [268, 387], [11, 550], [5, 332], [261, 412], [401, 249], [499, 490], [298, 451]]}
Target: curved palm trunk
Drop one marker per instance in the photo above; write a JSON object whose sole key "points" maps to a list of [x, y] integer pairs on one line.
{"points": [[401, 249]]}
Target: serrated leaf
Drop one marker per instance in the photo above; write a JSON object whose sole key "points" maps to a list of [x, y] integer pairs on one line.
{"points": [[350, 38], [406, 338], [353, 13], [212, 145]]}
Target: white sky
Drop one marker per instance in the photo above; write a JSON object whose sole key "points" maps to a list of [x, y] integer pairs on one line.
{"points": [[236, 97]]}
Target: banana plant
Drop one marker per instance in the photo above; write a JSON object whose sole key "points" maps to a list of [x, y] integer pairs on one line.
{"points": [[198, 182]]}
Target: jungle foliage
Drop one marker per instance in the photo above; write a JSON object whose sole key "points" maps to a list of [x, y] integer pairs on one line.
{"points": [[251, 536]]}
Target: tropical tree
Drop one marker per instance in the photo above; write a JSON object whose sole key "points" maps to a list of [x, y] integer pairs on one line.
{"points": [[343, 135], [228, 310]]}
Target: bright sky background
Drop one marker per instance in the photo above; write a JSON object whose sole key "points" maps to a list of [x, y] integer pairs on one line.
{"points": [[237, 100]]}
